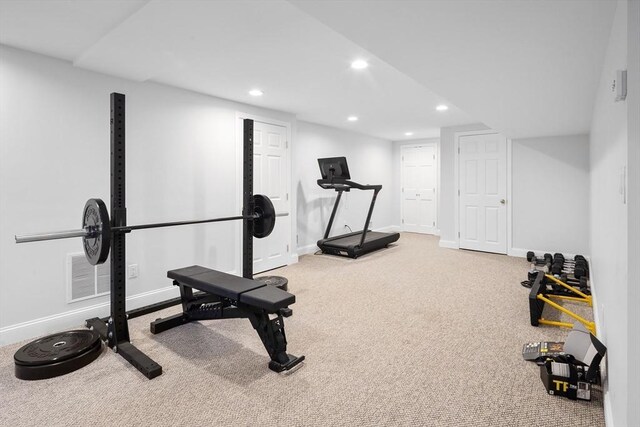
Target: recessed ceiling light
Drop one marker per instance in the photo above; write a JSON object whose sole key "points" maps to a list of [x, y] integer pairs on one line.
{"points": [[442, 107], [256, 92], [408, 133], [352, 118], [359, 64]]}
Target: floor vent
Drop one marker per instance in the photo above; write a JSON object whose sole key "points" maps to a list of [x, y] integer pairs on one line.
{"points": [[85, 280]]}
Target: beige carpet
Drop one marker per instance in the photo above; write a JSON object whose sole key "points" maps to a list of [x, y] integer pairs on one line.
{"points": [[412, 335]]}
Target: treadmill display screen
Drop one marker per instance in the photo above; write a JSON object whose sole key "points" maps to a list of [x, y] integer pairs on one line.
{"points": [[334, 167]]}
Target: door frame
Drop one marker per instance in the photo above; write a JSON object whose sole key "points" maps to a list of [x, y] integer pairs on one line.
{"points": [[436, 143], [293, 249], [456, 151]]}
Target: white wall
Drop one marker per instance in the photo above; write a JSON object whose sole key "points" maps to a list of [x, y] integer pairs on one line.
{"points": [[370, 162], [397, 181], [550, 194], [563, 159], [609, 226], [633, 197], [447, 207], [54, 154]]}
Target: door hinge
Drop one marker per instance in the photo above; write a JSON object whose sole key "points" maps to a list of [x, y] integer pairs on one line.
{"points": [[434, 223], [434, 157], [458, 234], [287, 196], [403, 189], [287, 248], [403, 158], [458, 193], [458, 150], [297, 239], [403, 221], [286, 144]]}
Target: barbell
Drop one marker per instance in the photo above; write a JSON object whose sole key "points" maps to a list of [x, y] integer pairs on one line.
{"points": [[96, 227]]}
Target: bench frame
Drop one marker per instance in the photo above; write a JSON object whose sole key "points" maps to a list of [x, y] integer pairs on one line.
{"points": [[206, 306]]}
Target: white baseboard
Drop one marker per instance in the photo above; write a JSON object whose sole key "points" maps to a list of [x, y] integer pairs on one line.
{"points": [[75, 318], [517, 252], [389, 229], [598, 319], [306, 250], [449, 244], [522, 253]]}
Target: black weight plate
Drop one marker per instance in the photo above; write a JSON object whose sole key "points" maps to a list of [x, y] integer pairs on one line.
{"points": [[277, 281], [56, 347], [530, 256], [266, 216], [96, 217], [57, 354]]}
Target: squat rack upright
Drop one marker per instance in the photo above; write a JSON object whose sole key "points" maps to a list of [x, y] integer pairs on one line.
{"points": [[115, 329]]}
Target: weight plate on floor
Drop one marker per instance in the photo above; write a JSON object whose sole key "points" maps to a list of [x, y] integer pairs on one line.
{"points": [[95, 218], [266, 216], [277, 281], [57, 354]]}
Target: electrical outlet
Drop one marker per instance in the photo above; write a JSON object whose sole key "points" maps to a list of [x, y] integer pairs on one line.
{"points": [[133, 271]]}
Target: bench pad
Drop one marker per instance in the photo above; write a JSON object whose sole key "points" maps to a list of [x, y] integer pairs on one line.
{"points": [[268, 297], [246, 291]]}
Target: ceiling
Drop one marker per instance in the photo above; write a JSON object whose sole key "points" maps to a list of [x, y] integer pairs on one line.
{"points": [[527, 68]]}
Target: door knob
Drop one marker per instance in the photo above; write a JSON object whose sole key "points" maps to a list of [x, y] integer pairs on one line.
{"points": [[503, 201]]}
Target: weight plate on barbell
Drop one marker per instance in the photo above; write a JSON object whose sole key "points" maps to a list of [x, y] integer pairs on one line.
{"points": [[265, 221], [95, 218]]}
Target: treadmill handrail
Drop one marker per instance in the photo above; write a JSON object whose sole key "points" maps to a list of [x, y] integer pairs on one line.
{"points": [[341, 184]]}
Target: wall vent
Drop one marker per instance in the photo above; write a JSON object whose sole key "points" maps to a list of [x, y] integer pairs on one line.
{"points": [[84, 280]]}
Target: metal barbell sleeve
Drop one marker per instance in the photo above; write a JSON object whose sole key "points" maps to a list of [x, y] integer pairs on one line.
{"points": [[52, 235]]}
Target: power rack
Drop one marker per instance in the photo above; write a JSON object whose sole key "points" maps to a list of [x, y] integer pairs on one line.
{"points": [[115, 329]]}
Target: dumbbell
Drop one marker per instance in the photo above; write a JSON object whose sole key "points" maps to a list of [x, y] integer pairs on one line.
{"points": [[576, 259], [579, 270], [581, 282], [578, 266], [546, 259]]}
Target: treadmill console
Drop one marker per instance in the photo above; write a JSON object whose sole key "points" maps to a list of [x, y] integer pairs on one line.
{"points": [[334, 167]]}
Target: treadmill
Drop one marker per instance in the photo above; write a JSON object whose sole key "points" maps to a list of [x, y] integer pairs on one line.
{"points": [[335, 176]]}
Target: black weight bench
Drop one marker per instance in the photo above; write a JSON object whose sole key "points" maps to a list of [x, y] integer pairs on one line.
{"points": [[224, 296]]}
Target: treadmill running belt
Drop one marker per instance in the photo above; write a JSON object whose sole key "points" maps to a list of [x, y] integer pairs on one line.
{"points": [[355, 239]]}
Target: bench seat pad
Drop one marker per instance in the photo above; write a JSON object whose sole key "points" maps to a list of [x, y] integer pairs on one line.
{"points": [[246, 291]]}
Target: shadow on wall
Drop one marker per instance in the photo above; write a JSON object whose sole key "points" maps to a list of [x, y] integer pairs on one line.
{"points": [[572, 151], [313, 215]]}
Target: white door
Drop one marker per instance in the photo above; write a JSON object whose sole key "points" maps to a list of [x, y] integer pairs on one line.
{"points": [[419, 178], [483, 192], [270, 177]]}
